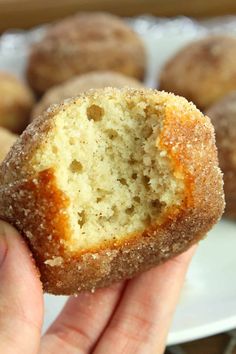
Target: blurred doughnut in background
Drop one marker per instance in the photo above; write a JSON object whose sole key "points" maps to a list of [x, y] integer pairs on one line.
{"points": [[73, 87], [223, 117], [15, 104], [7, 139], [203, 71], [82, 43]]}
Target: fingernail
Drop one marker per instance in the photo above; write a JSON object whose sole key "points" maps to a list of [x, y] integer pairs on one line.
{"points": [[3, 249]]}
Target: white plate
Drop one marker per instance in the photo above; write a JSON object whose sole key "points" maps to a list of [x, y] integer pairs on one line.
{"points": [[208, 302]]}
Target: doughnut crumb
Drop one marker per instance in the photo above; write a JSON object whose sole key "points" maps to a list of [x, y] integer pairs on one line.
{"points": [[118, 181]]}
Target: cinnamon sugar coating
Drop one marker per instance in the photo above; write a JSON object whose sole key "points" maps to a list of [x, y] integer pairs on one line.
{"points": [[34, 201]]}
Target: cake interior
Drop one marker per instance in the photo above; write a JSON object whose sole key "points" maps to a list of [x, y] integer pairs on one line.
{"points": [[107, 159]]}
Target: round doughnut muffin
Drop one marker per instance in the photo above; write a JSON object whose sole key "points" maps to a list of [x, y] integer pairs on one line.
{"points": [[15, 104], [111, 183], [203, 71], [82, 43], [7, 139], [78, 84], [223, 117]]}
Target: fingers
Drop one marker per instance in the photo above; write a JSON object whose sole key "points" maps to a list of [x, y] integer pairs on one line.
{"points": [[141, 322], [81, 322], [21, 299]]}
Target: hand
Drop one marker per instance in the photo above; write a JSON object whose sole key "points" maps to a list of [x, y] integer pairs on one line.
{"points": [[129, 317]]}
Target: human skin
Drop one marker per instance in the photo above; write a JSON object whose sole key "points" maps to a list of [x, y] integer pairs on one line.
{"points": [[130, 317]]}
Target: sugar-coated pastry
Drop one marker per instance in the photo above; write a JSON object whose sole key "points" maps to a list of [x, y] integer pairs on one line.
{"points": [[223, 117], [81, 83], [111, 183], [203, 71], [82, 43], [16, 101]]}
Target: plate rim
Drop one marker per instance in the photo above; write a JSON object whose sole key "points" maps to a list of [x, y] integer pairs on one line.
{"points": [[202, 331]]}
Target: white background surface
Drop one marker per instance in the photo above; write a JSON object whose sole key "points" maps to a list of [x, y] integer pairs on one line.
{"points": [[208, 302]]}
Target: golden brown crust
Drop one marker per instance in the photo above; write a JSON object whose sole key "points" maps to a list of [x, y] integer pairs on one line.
{"points": [[203, 71], [36, 206], [82, 43], [223, 117], [15, 104], [78, 84]]}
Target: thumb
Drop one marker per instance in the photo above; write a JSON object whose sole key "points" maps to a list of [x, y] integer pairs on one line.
{"points": [[21, 297]]}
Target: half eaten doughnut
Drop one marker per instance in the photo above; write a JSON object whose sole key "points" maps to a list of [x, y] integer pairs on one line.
{"points": [[111, 183]]}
